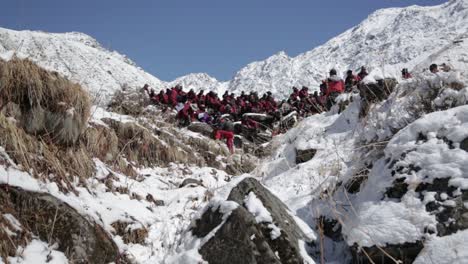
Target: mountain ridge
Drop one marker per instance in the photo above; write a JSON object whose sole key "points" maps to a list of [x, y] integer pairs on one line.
{"points": [[392, 38]]}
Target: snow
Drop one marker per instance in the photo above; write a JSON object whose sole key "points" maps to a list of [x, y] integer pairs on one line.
{"points": [[445, 250], [387, 223], [255, 206], [38, 251], [80, 58]]}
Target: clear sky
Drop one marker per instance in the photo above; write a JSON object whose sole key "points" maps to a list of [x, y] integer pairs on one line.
{"points": [[172, 38]]}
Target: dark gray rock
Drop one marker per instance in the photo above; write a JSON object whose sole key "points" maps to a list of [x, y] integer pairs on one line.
{"points": [[304, 155], [190, 182], [242, 240], [464, 144], [406, 253], [55, 221]]}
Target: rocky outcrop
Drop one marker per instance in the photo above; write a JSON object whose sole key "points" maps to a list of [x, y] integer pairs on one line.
{"points": [[55, 221], [375, 92], [304, 155], [242, 238]]}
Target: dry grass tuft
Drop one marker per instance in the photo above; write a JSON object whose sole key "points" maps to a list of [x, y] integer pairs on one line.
{"points": [[11, 236], [101, 142], [44, 159], [143, 148], [130, 235], [50, 104]]}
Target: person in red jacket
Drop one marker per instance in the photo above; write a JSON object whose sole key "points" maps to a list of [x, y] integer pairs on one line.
{"points": [[173, 96], [405, 74], [335, 87], [351, 80], [335, 83], [304, 92]]}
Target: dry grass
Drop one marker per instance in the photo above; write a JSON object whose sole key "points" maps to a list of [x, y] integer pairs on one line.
{"points": [[44, 159], [10, 237], [141, 147], [50, 104], [129, 235]]}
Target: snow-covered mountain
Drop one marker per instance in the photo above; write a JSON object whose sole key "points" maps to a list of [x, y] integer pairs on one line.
{"points": [[200, 81], [394, 37], [79, 57]]}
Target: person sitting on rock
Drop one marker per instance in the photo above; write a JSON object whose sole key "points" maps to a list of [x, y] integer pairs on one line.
{"points": [[335, 87], [434, 68], [363, 73], [304, 92], [184, 111], [405, 74], [351, 80]]}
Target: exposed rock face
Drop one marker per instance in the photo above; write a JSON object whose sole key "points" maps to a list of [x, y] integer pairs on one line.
{"points": [[55, 221], [304, 155], [242, 239], [406, 253], [189, 182], [375, 92]]}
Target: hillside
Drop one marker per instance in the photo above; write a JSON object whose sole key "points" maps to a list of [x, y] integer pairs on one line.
{"points": [[392, 39], [382, 177]]}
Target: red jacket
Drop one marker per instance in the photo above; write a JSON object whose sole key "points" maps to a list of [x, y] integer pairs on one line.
{"points": [[335, 85], [173, 98]]}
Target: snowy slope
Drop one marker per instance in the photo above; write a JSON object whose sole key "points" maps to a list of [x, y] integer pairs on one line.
{"points": [[79, 57], [394, 37]]}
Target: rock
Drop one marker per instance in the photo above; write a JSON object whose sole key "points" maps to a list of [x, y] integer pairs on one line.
{"points": [[464, 144], [190, 182], [374, 92], [304, 155], [151, 199], [201, 128], [80, 240], [406, 253], [241, 239]]}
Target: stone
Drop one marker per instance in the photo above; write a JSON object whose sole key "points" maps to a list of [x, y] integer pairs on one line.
{"points": [[80, 239], [240, 239], [304, 155], [190, 182]]}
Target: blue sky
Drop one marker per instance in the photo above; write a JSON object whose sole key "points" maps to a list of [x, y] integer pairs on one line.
{"points": [[172, 38]]}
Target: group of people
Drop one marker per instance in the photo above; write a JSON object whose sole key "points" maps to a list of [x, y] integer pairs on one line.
{"points": [[221, 113]]}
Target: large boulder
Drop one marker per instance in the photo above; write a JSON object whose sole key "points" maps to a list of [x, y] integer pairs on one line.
{"points": [[55, 221], [260, 230]]}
